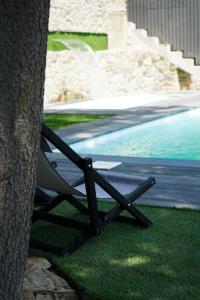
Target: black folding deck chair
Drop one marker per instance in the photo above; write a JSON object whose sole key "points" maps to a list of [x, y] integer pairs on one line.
{"points": [[91, 185]]}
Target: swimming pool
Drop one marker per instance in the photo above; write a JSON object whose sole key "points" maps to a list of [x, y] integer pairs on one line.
{"points": [[174, 137]]}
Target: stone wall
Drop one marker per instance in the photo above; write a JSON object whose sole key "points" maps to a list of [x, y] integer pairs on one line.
{"points": [[83, 15], [127, 66], [117, 72]]}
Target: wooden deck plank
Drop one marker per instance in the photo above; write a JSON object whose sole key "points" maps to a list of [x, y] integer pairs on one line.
{"points": [[177, 186]]}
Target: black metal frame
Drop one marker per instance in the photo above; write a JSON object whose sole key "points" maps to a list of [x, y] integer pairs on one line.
{"points": [[97, 218]]}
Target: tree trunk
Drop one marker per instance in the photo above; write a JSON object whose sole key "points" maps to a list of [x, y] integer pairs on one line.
{"points": [[23, 35]]}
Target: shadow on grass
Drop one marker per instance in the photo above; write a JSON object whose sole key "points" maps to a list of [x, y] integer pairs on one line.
{"points": [[129, 262]]}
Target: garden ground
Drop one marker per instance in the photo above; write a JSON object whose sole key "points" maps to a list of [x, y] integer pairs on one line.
{"points": [[128, 262]]}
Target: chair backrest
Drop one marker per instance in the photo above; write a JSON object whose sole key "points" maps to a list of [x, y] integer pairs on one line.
{"points": [[50, 179]]}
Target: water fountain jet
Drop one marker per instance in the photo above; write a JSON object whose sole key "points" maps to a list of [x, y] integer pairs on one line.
{"points": [[91, 69]]}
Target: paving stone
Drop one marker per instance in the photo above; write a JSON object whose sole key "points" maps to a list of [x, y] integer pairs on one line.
{"points": [[40, 283]]}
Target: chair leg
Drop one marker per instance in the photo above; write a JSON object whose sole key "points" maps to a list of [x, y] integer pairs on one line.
{"points": [[77, 204], [65, 250], [82, 238], [50, 203], [113, 214], [91, 196]]}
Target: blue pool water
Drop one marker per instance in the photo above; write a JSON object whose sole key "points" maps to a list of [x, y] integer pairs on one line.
{"points": [[176, 137]]}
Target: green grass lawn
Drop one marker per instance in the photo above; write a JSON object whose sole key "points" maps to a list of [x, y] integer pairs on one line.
{"points": [[129, 262], [94, 40], [56, 121]]}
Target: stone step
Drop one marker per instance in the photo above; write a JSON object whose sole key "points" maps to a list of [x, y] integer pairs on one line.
{"points": [[153, 40], [195, 70], [142, 33], [166, 48], [131, 25], [176, 57]]}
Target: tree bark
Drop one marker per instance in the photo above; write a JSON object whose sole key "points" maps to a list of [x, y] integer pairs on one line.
{"points": [[23, 39]]}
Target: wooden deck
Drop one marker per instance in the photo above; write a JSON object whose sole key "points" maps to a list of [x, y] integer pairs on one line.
{"points": [[177, 181]]}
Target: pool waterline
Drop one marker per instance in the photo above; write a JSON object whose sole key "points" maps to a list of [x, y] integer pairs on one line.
{"points": [[173, 137]]}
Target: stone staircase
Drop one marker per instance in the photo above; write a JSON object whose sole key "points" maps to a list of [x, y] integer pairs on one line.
{"points": [[139, 39]]}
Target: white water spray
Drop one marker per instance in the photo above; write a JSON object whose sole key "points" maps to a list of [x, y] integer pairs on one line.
{"points": [[90, 66]]}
